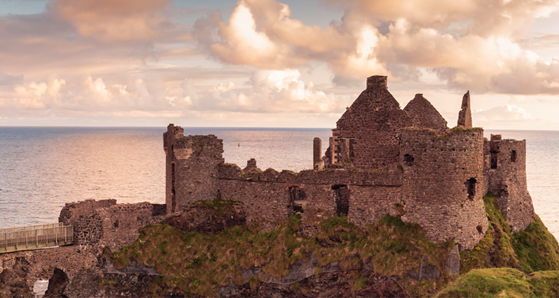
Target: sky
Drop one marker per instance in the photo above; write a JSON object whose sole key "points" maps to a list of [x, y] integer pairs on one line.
{"points": [[270, 63]]}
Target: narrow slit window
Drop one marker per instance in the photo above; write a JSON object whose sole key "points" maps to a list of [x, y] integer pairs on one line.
{"points": [[173, 195], [341, 199], [513, 156]]}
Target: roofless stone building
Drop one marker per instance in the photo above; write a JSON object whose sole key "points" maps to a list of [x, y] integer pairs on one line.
{"points": [[380, 160]]}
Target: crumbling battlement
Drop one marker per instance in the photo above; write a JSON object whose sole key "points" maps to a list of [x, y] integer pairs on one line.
{"points": [[380, 160]]}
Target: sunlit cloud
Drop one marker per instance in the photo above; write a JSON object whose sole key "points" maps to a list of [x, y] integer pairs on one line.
{"points": [[258, 60]]}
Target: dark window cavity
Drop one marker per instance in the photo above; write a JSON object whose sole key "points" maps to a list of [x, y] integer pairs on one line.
{"points": [[297, 199], [479, 229], [513, 156], [341, 199], [408, 160], [494, 159], [471, 188]]}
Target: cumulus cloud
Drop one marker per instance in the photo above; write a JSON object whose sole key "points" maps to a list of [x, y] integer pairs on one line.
{"points": [[472, 44]]}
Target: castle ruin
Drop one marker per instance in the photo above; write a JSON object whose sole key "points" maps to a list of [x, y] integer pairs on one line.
{"points": [[380, 160]]}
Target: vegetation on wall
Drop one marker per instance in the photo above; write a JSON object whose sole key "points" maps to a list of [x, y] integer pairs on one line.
{"points": [[199, 264]]}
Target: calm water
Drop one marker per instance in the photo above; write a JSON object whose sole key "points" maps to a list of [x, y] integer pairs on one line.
{"points": [[43, 168]]}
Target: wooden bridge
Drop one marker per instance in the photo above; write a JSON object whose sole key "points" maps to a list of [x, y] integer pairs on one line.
{"points": [[35, 237]]}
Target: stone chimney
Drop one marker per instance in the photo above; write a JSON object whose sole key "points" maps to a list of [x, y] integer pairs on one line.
{"points": [[465, 115], [377, 82]]}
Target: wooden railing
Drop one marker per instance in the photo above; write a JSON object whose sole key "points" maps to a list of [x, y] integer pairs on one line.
{"points": [[35, 237]]}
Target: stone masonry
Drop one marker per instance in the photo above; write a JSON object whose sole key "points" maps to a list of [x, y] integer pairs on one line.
{"points": [[465, 115], [97, 224], [380, 160]]}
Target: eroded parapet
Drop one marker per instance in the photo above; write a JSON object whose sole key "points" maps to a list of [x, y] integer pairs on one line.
{"points": [[465, 114], [444, 184], [505, 165]]}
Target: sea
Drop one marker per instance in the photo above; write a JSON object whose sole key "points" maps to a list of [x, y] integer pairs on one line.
{"points": [[42, 168]]}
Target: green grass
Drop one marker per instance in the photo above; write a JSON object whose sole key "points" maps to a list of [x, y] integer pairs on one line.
{"points": [[198, 264], [490, 252], [503, 282], [533, 249], [536, 248]]}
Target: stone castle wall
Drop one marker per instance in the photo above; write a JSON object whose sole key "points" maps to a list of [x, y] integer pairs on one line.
{"points": [[505, 165], [443, 184], [270, 196], [193, 161], [108, 224]]}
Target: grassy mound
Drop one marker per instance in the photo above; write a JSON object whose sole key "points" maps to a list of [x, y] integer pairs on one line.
{"points": [[533, 249], [199, 264], [503, 282], [536, 248]]}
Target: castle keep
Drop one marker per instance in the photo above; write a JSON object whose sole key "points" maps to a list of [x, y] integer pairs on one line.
{"points": [[380, 160]]}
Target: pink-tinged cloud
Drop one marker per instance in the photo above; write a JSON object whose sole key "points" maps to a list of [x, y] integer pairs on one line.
{"points": [[111, 20]]}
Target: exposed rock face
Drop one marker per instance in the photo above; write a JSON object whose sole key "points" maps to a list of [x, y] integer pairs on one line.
{"points": [[209, 219], [465, 114], [424, 115], [57, 284]]}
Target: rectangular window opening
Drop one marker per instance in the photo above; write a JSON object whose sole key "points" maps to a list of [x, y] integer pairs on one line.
{"points": [[494, 159], [341, 199], [471, 188], [513, 156], [297, 200]]}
